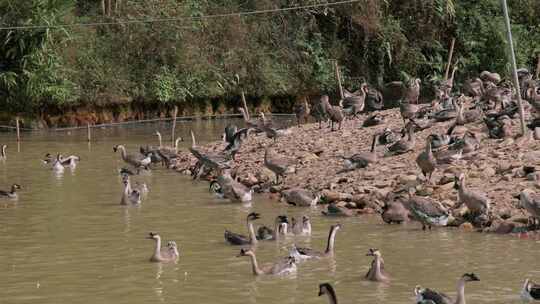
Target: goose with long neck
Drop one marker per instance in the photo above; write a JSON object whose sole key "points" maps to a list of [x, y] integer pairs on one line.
{"points": [[3, 154], [308, 253], [362, 159], [426, 295], [282, 267], [129, 195], [426, 160], [280, 229], [277, 164], [134, 160], [530, 291], [376, 271], [11, 193], [239, 239], [327, 289], [163, 255], [168, 149], [303, 227], [476, 201]]}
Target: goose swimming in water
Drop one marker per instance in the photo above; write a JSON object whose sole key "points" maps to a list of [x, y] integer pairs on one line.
{"points": [[303, 227], [376, 271], [12, 193], [530, 291], [327, 289], [163, 255], [283, 267], [429, 296], [280, 228], [129, 195], [308, 253], [239, 239]]}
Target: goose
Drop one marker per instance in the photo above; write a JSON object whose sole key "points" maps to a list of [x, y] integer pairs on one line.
{"points": [[411, 93], [12, 193], [474, 88], [302, 112], [303, 228], [354, 103], [229, 188], [374, 99], [362, 159], [163, 255], [426, 211], [335, 210], [534, 97], [250, 123], [468, 143], [530, 291], [376, 272], [64, 161], [57, 164], [488, 76], [327, 289], [429, 296], [320, 110], [282, 267], [238, 239], [129, 195], [277, 164], [300, 197], [235, 142], [470, 116], [335, 113], [426, 161], [531, 202], [408, 110], [388, 137], [476, 201], [3, 154], [308, 253], [280, 228], [133, 159], [404, 145], [214, 161], [168, 149], [228, 135], [499, 128], [441, 140]]}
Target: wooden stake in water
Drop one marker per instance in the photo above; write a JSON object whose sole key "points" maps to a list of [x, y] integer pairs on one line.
{"points": [[18, 129], [512, 56], [88, 132], [338, 77], [450, 55], [175, 113]]}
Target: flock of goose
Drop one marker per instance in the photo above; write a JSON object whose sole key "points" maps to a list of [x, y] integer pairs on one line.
{"points": [[486, 100]]}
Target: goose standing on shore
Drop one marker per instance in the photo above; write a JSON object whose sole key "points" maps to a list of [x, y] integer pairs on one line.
{"points": [[335, 113], [136, 160], [308, 253], [426, 161], [429, 296], [376, 271], [12, 193], [320, 110], [302, 112], [476, 201], [282, 267], [327, 289], [404, 145], [531, 202], [277, 164], [163, 255], [239, 239], [426, 211]]}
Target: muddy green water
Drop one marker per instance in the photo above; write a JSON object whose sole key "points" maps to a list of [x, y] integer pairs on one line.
{"points": [[67, 239]]}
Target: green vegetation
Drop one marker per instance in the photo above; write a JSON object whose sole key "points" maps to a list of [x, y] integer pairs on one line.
{"points": [[285, 54]]}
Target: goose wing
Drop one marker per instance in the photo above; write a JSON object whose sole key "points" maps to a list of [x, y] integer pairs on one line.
{"points": [[308, 252], [4, 193], [426, 207], [434, 296], [236, 239]]}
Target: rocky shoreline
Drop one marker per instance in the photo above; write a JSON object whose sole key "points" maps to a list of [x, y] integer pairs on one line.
{"points": [[496, 168]]}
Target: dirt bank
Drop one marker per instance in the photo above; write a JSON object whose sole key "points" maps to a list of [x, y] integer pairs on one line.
{"points": [[496, 168]]}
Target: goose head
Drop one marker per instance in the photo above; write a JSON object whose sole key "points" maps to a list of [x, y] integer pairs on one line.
{"points": [[153, 236], [245, 252], [325, 288], [373, 252], [458, 181], [172, 247], [253, 216], [305, 219], [15, 187], [336, 227], [470, 277]]}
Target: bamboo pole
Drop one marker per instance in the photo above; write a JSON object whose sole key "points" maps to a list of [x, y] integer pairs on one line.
{"points": [[450, 55], [538, 67], [245, 104], [88, 133], [175, 113], [514, 67], [18, 129], [338, 77]]}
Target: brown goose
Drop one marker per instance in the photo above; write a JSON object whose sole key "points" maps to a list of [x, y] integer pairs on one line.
{"points": [[335, 113], [282, 267], [302, 112], [376, 271], [426, 211], [136, 160], [354, 103], [531, 202], [362, 159], [426, 161], [277, 164], [408, 110], [163, 255], [308, 253], [476, 201], [320, 110], [404, 145], [411, 93], [300, 197], [474, 88]]}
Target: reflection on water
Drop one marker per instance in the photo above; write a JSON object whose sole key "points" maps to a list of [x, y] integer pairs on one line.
{"points": [[67, 239]]}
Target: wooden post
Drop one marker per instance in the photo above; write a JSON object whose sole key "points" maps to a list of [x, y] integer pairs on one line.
{"points": [[175, 113], [88, 132], [338, 77], [450, 55], [245, 104], [18, 129], [514, 67]]}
